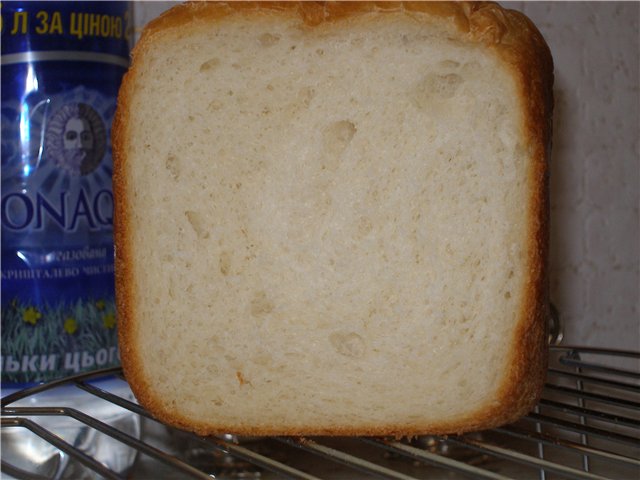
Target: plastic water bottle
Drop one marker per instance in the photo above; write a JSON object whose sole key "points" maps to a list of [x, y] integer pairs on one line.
{"points": [[62, 64]]}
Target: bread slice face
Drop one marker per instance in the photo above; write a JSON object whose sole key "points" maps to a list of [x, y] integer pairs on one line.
{"points": [[332, 219]]}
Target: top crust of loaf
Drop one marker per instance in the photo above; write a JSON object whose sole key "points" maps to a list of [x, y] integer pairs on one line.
{"points": [[519, 44]]}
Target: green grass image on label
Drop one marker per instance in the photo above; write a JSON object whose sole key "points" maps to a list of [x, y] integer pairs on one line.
{"points": [[44, 342]]}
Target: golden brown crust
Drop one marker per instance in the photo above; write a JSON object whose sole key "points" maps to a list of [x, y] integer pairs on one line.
{"points": [[123, 255], [519, 44], [522, 46], [125, 285]]}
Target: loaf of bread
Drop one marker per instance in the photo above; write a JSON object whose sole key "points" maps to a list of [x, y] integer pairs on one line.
{"points": [[331, 219]]}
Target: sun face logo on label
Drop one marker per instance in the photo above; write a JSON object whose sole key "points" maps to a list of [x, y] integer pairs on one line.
{"points": [[76, 139]]}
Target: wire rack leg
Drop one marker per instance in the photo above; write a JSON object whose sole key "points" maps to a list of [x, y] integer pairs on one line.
{"points": [[543, 473], [584, 439]]}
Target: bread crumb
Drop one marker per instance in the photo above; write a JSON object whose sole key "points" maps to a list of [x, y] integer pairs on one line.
{"points": [[336, 138], [260, 304], [224, 262], [209, 64], [241, 379], [197, 223], [435, 87], [268, 39], [172, 165], [349, 344]]}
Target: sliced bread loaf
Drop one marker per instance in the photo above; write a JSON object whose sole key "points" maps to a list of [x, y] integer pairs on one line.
{"points": [[332, 218]]}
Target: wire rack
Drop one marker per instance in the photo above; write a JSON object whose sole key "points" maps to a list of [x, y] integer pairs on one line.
{"points": [[587, 426]]}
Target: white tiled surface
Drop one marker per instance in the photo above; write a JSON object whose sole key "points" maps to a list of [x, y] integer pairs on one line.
{"points": [[595, 171]]}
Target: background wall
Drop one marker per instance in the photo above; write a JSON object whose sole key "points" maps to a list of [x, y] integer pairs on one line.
{"points": [[595, 168]]}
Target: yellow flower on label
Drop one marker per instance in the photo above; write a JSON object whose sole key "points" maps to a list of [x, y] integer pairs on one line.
{"points": [[109, 320], [31, 315], [101, 305], [70, 325]]}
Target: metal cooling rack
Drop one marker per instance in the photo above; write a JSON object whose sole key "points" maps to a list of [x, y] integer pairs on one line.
{"points": [[587, 426]]}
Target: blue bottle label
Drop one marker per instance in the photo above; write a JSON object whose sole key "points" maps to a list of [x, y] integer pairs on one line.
{"points": [[62, 63]]}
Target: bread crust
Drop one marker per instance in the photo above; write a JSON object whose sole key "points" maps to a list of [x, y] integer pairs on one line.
{"points": [[520, 45]]}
